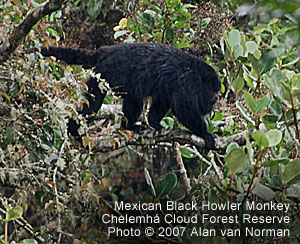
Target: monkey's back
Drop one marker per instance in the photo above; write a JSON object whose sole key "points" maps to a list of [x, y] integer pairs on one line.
{"points": [[145, 67]]}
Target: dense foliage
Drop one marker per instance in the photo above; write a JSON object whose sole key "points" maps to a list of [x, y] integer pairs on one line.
{"points": [[53, 189]]}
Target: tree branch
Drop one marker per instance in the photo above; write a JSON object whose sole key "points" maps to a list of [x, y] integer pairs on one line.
{"points": [[108, 143], [19, 33]]}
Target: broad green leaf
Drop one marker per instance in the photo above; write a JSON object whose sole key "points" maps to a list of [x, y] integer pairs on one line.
{"points": [[276, 179], [251, 46], [94, 8], [250, 101], [263, 192], [167, 122], [235, 160], [257, 54], [270, 120], [260, 138], [238, 84], [231, 146], [28, 241], [188, 152], [274, 137], [218, 116], [277, 75], [238, 50], [262, 104], [267, 60], [255, 63], [14, 213], [293, 191], [296, 81], [166, 184], [275, 162], [234, 37], [149, 181], [150, 13], [291, 171]]}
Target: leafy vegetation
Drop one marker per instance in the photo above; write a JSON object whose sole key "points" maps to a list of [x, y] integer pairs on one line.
{"points": [[53, 190], [167, 23]]}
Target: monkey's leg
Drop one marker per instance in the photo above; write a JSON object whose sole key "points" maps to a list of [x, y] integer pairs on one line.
{"points": [[132, 109], [158, 110], [194, 121]]}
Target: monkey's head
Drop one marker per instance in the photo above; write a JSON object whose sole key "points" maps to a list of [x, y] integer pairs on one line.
{"points": [[211, 86]]}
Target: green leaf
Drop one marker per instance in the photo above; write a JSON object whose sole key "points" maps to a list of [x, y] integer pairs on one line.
{"points": [[9, 134], [251, 46], [165, 185], [257, 54], [86, 176], [275, 162], [267, 60], [250, 101], [167, 122], [263, 192], [238, 50], [169, 34], [149, 181], [262, 104], [150, 13], [274, 82], [57, 136], [53, 33], [14, 213], [277, 75], [94, 8], [234, 37], [231, 146], [235, 160], [260, 138], [218, 116], [255, 63], [293, 191], [28, 241], [274, 137], [238, 84], [188, 152], [270, 121], [291, 171]]}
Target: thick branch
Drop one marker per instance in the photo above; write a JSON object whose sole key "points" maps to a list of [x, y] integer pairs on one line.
{"points": [[19, 33], [108, 143]]}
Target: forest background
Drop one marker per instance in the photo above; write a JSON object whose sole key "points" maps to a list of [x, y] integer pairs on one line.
{"points": [[55, 190]]}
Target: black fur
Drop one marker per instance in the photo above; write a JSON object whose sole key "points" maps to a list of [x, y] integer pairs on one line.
{"points": [[174, 79]]}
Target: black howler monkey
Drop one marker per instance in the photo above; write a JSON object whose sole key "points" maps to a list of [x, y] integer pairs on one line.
{"points": [[173, 78]]}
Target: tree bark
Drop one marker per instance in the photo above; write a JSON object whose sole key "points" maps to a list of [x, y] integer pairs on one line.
{"points": [[20, 32]]}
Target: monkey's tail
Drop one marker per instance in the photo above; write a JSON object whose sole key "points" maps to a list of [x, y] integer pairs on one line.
{"points": [[69, 55]]}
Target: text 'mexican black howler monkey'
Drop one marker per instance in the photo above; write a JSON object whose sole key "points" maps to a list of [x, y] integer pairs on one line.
{"points": [[173, 78]]}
